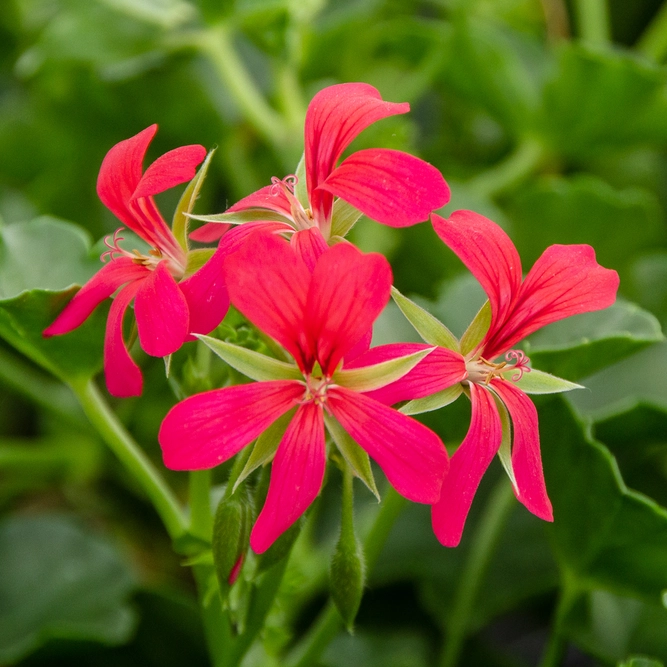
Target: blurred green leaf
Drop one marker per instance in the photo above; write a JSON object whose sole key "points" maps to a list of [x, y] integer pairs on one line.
{"points": [[583, 344], [39, 263], [59, 580]]}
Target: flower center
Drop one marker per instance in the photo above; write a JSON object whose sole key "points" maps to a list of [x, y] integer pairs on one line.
{"points": [[482, 371], [303, 218], [150, 261], [316, 390]]}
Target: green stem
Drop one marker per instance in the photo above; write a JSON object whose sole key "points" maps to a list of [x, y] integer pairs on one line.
{"points": [[509, 173], [329, 622], [484, 542], [217, 44], [201, 519], [653, 43], [554, 653], [39, 388], [593, 21], [131, 456]]}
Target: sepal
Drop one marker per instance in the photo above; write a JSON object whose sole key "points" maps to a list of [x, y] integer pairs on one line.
{"points": [[343, 218], [432, 402], [539, 382], [475, 333]]}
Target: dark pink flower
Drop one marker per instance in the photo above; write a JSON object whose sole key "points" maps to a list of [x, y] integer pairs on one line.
{"points": [[319, 317], [565, 280], [390, 186], [167, 307]]}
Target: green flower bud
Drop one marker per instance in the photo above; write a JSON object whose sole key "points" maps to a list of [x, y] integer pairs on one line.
{"points": [[347, 577]]}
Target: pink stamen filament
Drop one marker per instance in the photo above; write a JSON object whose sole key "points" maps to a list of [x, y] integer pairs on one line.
{"points": [[316, 390], [482, 371], [303, 218]]}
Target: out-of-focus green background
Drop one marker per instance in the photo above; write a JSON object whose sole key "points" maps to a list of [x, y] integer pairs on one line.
{"points": [[549, 117]]}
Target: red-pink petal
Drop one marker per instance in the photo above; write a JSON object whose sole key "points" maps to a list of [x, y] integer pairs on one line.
{"points": [[122, 375], [392, 187], [173, 168], [120, 174], [101, 286], [441, 369], [411, 456], [359, 348], [566, 280], [296, 477], [310, 245], [467, 467], [161, 312], [207, 429], [206, 294], [210, 232], [526, 459], [489, 254], [335, 116], [268, 282], [348, 291]]}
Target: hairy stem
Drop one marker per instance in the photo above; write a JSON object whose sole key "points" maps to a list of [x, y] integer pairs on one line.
{"points": [[131, 456], [484, 542], [653, 43], [554, 652], [593, 21], [201, 519]]}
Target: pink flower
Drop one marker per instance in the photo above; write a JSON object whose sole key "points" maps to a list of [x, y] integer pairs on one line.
{"points": [[319, 317], [166, 310], [565, 280], [392, 187]]}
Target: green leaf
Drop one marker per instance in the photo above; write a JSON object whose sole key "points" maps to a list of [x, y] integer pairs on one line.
{"points": [[59, 580], [265, 447], [196, 259], [355, 456], [343, 218], [379, 375], [583, 344], [186, 204], [432, 402], [429, 328], [475, 333], [537, 382], [604, 535], [254, 365]]}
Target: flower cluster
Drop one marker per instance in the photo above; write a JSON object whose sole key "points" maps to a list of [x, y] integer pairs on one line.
{"points": [[282, 261]]}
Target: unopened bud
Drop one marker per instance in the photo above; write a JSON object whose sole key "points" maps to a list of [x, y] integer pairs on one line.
{"points": [[347, 577]]}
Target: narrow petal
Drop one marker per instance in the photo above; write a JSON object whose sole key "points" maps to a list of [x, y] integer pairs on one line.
{"points": [[489, 254], [411, 456], [162, 313], [101, 286], [122, 375], [206, 294], [207, 429], [359, 348], [296, 477], [270, 287], [467, 467], [566, 280], [526, 459], [335, 116], [210, 232], [392, 187], [120, 174], [348, 291], [173, 168], [441, 369], [310, 245]]}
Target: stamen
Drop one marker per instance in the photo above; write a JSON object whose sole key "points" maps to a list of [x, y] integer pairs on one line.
{"points": [[114, 248], [289, 182], [521, 362]]}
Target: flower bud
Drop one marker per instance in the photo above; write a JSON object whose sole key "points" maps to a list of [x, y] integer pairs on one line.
{"points": [[347, 577]]}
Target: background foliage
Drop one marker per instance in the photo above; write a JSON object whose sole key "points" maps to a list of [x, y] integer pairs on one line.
{"points": [[549, 117]]}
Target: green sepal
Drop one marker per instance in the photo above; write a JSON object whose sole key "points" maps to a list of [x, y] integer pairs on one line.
{"points": [[179, 225], [196, 259], [355, 456], [252, 364], [428, 327], [539, 382], [301, 187], [379, 375], [343, 218], [231, 534], [475, 333], [505, 449], [432, 402], [240, 217], [265, 446]]}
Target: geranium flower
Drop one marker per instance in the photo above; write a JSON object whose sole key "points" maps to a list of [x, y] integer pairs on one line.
{"points": [[167, 307], [389, 186], [319, 317], [565, 280]]}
